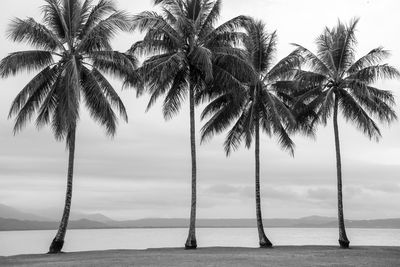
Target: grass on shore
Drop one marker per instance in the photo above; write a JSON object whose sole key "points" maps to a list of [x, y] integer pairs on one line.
{"points": [[219, 256]]}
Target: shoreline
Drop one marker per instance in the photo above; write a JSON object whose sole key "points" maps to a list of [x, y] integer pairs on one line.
{"points": [[218, 256]]}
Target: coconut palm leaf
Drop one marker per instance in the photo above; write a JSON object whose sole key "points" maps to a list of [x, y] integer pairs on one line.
{"points": [[33, 33], [25, 61]]}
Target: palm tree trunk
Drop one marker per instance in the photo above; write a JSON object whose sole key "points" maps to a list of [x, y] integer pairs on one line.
{"points": [[58, 241], [343, 241], [264, 242], [191, 242]]}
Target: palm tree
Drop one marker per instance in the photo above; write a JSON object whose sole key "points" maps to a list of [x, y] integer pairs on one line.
{"points": [[262, 103], [187, 56], [72, 49], [337, 82]]}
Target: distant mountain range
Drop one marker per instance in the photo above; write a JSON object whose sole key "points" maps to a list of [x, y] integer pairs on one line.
{"points": [[11, 220], [52, 214]]}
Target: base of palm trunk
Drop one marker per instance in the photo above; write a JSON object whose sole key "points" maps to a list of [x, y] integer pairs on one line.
{"points": [[56, 246], [344, 243], [191, 243], [265, 243]]}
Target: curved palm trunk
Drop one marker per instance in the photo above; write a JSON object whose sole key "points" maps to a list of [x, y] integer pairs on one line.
{"points": [[264, 242], [58, 241], [191, 242], [343, 241]]}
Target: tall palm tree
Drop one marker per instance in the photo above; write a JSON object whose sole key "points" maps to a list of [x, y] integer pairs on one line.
{"points": [[72, 50], [187, 56], [337, 82], [262, 103]]}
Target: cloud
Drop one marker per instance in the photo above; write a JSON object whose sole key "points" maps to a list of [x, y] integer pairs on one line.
{"points": [[321, 193], [387, 188], [223, 189]]}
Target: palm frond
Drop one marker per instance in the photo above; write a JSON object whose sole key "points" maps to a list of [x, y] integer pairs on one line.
{"points": [[54, 19], [176, 94], [33, 33], [371, 74], [110, 93], [285, 68], [376, 102], [86, 9], [354, 113], [49, 104], [375, 56], [310, 78], [235, 135], [28, 101], [229, 26], [345, 40], [95, 14], [159, 73], [25, 61], [71, 14], [114, 63], [324, 102], [151, 20], [201, 58], [312, 60], [160, 70], [272, 121], [99, 36], [70, 96], [277, 118], [270, 51], [211, 18], [95, 100]]}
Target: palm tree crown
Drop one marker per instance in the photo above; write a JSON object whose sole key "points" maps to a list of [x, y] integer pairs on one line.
{"points": [[72, 49], [186, 50], [333, 75], [263, 98]]}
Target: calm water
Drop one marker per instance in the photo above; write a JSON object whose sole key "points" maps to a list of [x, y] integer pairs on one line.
{"points": [[27, 242]]}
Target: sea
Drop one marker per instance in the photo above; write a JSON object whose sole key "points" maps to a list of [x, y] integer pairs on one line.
{"points": [[37, 242]]}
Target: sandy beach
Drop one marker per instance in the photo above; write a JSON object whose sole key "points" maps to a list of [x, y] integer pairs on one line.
{"points": [[219, 256]]}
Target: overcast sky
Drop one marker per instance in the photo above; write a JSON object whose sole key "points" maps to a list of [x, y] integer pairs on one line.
{"points": [[145, 170]]}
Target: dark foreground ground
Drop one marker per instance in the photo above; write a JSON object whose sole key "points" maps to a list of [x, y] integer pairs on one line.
{"points": [[176, 257]]}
